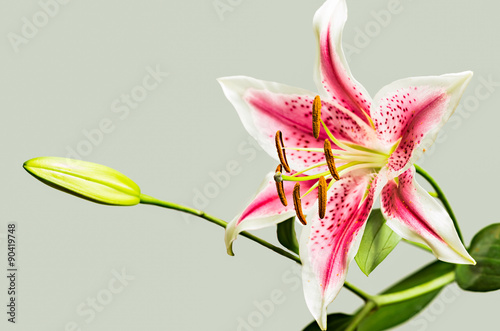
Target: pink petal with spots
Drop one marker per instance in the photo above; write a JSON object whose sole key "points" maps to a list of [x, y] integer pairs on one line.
{"points": [[266, 209], [332, 71], [266, 107], [328, 245], [413, 214], [413, 110]]}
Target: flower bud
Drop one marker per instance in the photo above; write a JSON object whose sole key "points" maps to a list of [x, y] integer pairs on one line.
{"points": [[86, 180]]}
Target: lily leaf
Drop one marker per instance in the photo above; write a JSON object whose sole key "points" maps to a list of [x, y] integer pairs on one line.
{"points": [[287, 236], [485, 249], [377, 242], [394, 314], [337, 322]]}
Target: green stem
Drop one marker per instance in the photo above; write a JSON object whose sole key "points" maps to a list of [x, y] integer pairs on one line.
{"points": [[436, 283], [360, 293], [146, 199], [152, 201], [442, 197], [360, 315], [391, 298], [371, 302]]}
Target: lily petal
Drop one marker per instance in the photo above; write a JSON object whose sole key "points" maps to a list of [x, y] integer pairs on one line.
{"points": [[332, 74], [413, 214], [266, 107], [266, 209], [328, 245], [413, 110]]}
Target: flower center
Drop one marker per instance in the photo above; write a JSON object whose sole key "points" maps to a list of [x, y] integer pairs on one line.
{"points": [[340, 160]]}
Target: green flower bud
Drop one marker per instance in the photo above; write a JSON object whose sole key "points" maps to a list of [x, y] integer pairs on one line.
{"points": [[86, 180]]}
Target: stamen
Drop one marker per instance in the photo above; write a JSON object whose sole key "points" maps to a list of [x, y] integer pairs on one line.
{"points": [[304, 178], [307, 149], [316, 115], [309, 168], [337, 105], [310, 190], [280, 148], [359, 165], [297, 204], [347, 166], [336, 141], [322, 197], [345, 146], [365, 150], [330, 160], [279, 185]]}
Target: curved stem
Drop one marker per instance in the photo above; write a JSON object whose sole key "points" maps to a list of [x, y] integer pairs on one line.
{"points": [[146, 199], [371, 302], [442, 197], [377, 301], [360, 315], [360, 293], [152, 201], [436, 283]]}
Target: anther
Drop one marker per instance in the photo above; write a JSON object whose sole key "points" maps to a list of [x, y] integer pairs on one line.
{"points": [[297, 204], [279, 185], [280, 148], [322, 196], [330, 161], [316, 115]]}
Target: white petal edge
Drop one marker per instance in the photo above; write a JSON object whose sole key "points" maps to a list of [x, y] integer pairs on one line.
{"points": [[452, 251], [232, 230], [234, 88], [454, 84]]}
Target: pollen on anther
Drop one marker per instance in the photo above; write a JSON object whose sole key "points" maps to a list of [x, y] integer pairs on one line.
{"points": [[297, 204], [322, 188], [316, 112], [278, 139], [330, 160], [279, 186]]}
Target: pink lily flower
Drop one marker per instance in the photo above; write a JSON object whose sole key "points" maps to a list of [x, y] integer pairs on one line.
{"points": [[361, 148]]}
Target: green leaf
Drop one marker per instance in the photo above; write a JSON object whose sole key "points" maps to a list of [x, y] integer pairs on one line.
{"points": [[286, 235], [394, 314], [377, 242], [335, 322], [485, 249], [397, 313]]}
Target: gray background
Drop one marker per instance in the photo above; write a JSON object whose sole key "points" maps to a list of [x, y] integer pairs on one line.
{"points": [[64, 80]]}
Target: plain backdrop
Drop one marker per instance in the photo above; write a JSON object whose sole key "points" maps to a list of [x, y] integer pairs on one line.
{"points": [[70, 77]]}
